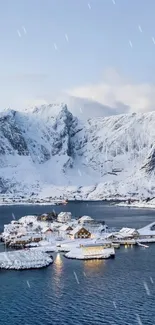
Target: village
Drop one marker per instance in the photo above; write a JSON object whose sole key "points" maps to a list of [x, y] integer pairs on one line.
{"points": [[38, 236]]}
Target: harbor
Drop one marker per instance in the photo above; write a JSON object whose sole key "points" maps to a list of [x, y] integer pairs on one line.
{"points": [[67, 279], [30, 241]]}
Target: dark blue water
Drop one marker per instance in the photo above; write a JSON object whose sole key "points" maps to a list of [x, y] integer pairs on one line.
{"points": [[110, 291]]}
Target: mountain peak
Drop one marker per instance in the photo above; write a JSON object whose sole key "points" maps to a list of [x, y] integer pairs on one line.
{"points": [[52, 147]]}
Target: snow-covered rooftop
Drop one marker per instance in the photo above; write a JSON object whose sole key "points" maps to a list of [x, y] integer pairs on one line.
{"points": [[127, 231], [65, 227], [24, 259], [85, 218], [76, 229], [61, 214]]}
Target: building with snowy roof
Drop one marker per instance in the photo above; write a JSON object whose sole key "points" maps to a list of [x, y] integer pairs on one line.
{"points": [[85, 219], [128, 232], [124, 233], [80, 232], [93, 226], [64, 217], [65, 230]]}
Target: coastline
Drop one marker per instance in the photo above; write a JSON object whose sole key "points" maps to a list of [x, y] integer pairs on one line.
{"points": [[137, 205], [116, 201], [13, 201]]}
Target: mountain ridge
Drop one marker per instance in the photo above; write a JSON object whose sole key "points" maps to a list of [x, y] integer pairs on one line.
{"points": [[54, 153]]}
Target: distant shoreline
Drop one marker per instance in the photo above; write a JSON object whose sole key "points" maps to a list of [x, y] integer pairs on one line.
{"points": [[8, 202], [117, 202]]}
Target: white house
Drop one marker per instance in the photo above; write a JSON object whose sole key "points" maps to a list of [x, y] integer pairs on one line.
{"points": [[64, 217]]}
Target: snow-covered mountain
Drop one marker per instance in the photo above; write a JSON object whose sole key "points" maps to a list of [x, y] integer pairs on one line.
{"points": [[50, 152]]}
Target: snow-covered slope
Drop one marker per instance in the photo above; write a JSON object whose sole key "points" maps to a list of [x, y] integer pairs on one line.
{"points": [[50, 152]]}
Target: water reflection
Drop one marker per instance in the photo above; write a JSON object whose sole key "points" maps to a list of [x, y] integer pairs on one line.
{"points": [[58, 264], [58, 282], [94, 265]]}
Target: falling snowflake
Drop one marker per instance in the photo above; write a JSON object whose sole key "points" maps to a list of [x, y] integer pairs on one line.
{"points": [[18, 32], [146, 288], [113, 1], [28, 283], [140, 29], [130, 43], [66, 37], [89, 6], [139, 320], [81, 110], [84, 274], [114, 303], [13, 216], [79, 172], [55, 46], [151, 280], [24, 29], [153, 40], [76, 278]]}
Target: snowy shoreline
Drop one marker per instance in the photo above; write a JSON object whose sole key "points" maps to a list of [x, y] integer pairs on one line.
{"points": [[60, 202], [138, 204]]}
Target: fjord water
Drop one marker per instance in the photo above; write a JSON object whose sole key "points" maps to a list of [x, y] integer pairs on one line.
{"points": [[119, 291]]}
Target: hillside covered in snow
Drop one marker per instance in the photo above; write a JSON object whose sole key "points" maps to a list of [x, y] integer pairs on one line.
{"points": [[49, 152]]}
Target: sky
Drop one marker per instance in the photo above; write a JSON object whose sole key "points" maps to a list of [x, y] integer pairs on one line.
{"points": [[102, 50]]}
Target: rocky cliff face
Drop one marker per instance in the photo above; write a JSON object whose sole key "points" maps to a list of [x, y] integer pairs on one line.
{"points": [[48, 148]]}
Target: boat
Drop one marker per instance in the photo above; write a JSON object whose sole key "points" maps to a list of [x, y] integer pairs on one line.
{"points": [[63, 202]]}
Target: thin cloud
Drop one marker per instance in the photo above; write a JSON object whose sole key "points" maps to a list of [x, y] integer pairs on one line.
{"points": [[118, 93]]}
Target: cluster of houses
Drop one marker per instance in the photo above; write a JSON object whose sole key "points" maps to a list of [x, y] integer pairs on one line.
{"points": [[30, 230], [52, 227]]}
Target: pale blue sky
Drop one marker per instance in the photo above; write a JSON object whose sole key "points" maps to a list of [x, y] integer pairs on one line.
{"points": [[99, 37]]}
